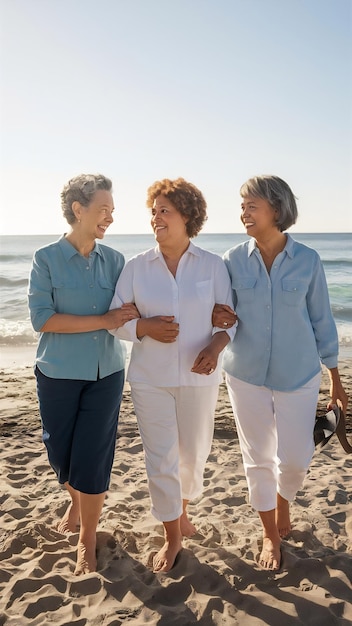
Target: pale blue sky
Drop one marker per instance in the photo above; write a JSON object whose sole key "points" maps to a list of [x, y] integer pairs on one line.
{"points": [[215, 91]]}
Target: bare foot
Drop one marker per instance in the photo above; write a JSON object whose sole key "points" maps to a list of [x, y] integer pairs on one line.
{"points": [[187, 528], [70, 521], [283, 521], [164, 560], [86, 558], [270, 557]]}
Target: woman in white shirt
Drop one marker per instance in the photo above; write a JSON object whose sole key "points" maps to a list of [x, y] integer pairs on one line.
{"points": [[175, 369]]}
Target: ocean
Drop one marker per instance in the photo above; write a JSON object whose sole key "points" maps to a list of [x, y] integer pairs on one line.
{"points": [[16, 254]]}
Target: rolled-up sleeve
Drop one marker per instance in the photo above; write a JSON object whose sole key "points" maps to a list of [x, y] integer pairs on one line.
{"points": [[321, 317], [222, 287], [40, 296], [124, 292]]}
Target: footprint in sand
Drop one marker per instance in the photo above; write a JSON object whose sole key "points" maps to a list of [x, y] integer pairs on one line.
{"points": [[348, 528]]}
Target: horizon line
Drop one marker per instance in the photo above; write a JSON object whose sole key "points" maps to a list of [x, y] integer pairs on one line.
{"points": [[322, 232]]}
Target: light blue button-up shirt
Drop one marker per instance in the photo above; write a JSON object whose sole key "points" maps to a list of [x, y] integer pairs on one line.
{"points": [[63, 281], [286, 328]]}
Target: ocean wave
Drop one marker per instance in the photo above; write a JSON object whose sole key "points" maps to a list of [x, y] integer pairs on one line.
{"points": [[16, 258], [21, 333], [341, 313], [13, 282], [17, 333], [343, 261]]}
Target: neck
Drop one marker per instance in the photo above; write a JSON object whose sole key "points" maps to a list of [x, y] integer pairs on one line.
{"points": [[174, 252], [272, 244], [270, 247], [172, 255], [83, 245]]}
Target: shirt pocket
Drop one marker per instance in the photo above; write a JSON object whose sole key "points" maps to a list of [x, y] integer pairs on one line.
{"points": [[106, 290], [293, 291], [64, 293], [204, 290], [105, 282], [63, 282], [244, 288]]}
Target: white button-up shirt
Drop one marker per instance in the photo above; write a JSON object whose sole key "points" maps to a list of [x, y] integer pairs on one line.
{"points": [[201, 281]]}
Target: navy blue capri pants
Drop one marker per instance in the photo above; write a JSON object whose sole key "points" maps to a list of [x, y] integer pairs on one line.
{"points": [[79, 419]]}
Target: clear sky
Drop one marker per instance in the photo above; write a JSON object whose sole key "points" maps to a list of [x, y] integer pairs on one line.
{"points": [[215, 91]]}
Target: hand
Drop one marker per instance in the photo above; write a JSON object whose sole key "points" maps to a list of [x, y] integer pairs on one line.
{"points": [[160, 327], [118, 317], [206, 361], [131, 309], [337, 392], [340, 398], [223, 316]]}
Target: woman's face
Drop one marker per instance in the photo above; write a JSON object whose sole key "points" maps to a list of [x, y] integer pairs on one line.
{"points": [[258, 216], [97, 216], [167, 222]]}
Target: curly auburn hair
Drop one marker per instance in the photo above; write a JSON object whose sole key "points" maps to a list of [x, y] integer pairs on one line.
{"points": [[185, 197]]}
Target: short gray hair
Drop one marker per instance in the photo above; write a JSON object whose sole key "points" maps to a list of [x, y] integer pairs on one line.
{"points": [[277, 193], [81, 189]]}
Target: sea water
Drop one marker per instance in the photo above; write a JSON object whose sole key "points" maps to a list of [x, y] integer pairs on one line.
{"points": [[16, 252]]}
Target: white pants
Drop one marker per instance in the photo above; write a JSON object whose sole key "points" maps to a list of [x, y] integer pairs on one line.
{"points": [[275, 431], [176, 426]]}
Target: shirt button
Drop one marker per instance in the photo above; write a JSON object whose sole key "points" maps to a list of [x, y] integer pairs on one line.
{"points": [[268, 306], [87, 268], [95, 337], [91, 286], [94, 307]]}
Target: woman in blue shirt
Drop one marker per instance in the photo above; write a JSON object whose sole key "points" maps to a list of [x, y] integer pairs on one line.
{"points": [[285, 331], [79, 366]]}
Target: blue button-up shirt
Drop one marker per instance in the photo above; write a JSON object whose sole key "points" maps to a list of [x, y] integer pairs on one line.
{"points": [[286, 328], [63, 281]]}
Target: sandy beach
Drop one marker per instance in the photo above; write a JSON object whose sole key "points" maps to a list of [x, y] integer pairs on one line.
{"points": [[216, 579]]}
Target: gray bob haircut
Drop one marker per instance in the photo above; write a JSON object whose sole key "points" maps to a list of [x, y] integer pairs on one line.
{"points": [[277, 193], [81, 189]]}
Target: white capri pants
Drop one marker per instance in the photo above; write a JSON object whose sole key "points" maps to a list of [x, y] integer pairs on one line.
{"points": [[176, 426], [275, 431]]}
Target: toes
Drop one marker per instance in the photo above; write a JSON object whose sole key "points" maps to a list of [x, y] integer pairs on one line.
{"points": [[159, 566]]}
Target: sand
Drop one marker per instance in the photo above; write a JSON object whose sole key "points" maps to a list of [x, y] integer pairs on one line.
{"points": [[216, 579]]}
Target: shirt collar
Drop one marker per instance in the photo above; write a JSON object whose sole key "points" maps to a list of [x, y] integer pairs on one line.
{"points": [[192, 249], [69, 251], [289, 247]]}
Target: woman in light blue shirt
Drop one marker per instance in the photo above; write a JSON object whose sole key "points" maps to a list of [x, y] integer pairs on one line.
{"points": [[79, 366], [285, 331]]}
